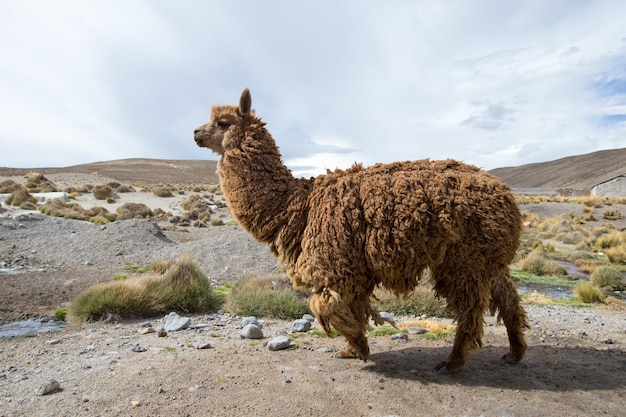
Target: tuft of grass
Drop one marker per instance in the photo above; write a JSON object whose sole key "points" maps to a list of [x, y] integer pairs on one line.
{"points": [[524, 277], [60, 314], [163, 192], [20, 196], [102, 192], [588, 293], [133, 210], [181, 287], [422, 301], [264, 296], [436, 329], [607, 277], [59, 208], [611, 214], [538, 263], [384, 330], [610, 240], [37, 183], [587, 265], [616, 255], [7, 187]]}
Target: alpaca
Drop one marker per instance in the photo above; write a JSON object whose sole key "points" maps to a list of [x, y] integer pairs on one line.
{"points": [[345, 233]]}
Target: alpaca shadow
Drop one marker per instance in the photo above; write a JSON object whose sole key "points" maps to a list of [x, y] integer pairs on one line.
{"points": [[544, 367]]}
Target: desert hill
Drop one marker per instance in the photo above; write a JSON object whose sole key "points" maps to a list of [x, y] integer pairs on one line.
{"points": [[137, 170], [578, 172]]}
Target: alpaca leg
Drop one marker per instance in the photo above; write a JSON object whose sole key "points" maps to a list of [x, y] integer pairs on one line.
{"points": [[347, 319], [468, 335], [506, 300]]}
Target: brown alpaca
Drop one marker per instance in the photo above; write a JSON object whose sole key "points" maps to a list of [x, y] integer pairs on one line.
{"points": [[346, 232]]}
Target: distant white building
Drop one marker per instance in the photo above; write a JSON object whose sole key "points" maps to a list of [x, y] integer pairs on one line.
{"points": [[612, 187]]}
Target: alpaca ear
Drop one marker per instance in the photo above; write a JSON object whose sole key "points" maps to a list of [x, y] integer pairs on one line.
{"points": [[245, 102]]}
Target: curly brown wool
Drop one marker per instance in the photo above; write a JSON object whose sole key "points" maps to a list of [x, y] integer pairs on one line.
{"points": [[346, 232]]}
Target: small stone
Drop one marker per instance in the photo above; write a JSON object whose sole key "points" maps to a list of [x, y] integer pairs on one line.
{"points": [[147, 330], [308, 318], [249, 320], [49, 387], [139, 349], [324, 350], [385, 315], [279, 343], [160, 390], [146, 324], [220, 312], [135, 403], [399, 336], [53, 342], [416, 330], [202, 344], [301, 325], [90, 348], [162, 333], [174, 322], [252, 331]]}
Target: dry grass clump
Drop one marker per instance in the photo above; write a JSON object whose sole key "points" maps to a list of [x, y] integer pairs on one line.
{"points": [[616, 255], [197, 209], [608, 277], [267, 296], [588, 293], [181, 287], [8, 186], [609, 214], [163, 192], [537, 262], [102, 192], [133, 210], [20, 196], [587, 265], [612, 239], [59, 208], [422, 301], [37, 183]]}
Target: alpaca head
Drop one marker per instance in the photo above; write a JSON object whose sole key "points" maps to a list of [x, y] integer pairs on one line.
{"points": [[224, 131]]}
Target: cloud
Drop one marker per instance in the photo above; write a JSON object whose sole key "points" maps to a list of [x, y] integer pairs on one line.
{"points": [[502, 83]]}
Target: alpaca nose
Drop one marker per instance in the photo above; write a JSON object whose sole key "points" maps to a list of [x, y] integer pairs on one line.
{"points": [[196, 131]]}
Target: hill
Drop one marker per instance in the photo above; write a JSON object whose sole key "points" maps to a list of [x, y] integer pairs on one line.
{"points": [[578, 172], [138, 170]]}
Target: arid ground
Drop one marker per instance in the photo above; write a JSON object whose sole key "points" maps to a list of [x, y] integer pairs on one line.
{"points": [[575, 365]]}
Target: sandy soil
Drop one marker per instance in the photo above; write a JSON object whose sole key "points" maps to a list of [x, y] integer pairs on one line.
{"points": [[576, 362]]}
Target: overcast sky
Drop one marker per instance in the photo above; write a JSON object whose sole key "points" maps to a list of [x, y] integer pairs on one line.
{"points": [[493, 83]]}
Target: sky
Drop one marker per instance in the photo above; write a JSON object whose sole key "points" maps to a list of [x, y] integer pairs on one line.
{"points": [[493, 83]]}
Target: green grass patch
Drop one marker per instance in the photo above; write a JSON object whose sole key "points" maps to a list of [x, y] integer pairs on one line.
{"points": [[384, 330], [422, 301], [266, 296], [525, 277], [181, 287]]}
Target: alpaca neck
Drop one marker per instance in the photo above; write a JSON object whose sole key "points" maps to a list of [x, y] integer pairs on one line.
{"points": [[261, 192]]}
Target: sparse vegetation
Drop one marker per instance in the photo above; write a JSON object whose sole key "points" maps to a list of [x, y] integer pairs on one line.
{"points": [[163, 192], [422, 301], [609, 214], [538, 263], [59, 208], [180, 287], [102, 192], [20, 196], [133, 210]]}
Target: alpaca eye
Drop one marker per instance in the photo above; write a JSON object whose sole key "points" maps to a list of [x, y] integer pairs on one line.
{"points": [[222, 124]]}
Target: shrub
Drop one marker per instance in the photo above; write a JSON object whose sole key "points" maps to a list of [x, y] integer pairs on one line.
{"points": [[217, 222], [538, 263], [588, 293], [37, 183], [607, 277], [19, 196], [182, 287], [102, 192], [587, 265], [28, 206], [133, 210], [60, 314], [267, 297]]}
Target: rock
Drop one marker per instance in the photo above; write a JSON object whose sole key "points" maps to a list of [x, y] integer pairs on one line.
{"points": [[385, 315], [147, 330], [399, 336], [308, 318], [249, 320], [252, 331], [53, 342], [301, 325], [139, 349], [325, 350], [202, 344], [49, 387], [416, 330], [279, 343], [162, 333], [174, 322]]}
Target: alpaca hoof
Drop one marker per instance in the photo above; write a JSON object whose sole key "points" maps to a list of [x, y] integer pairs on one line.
{"points": [[347, 354], [509, 359], [442, 368]]}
